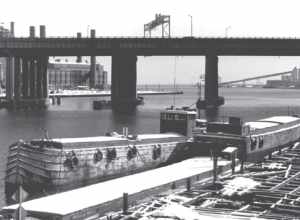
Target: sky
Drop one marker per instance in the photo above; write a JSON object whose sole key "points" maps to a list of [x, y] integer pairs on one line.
{"points": [[241, 18]]}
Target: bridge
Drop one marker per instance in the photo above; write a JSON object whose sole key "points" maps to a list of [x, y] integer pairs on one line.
{"points": [[28, 59], [254, 78]]}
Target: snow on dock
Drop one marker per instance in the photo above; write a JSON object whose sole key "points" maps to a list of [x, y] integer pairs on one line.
{"points": [[102, 93], [73, 201], [95, 93]]}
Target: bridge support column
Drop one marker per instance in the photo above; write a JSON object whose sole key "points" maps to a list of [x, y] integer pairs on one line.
{"points": [[30, 83], [211, 78], [92, 72], [39, 86], [212, 99], [9, 79], [17, 81], [41, 81], [123, 81], [45, 77], [25, 79], [93, 64], [32, 78]]}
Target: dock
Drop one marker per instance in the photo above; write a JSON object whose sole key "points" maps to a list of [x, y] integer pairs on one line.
{"points": [[98, 199], [104, 93], [269, 189], [91, 93]]}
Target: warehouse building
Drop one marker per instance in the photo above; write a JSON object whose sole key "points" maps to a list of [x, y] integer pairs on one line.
{"points": [[64, 74]]}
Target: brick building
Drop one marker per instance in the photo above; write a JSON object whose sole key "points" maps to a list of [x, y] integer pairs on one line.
{"points": [[4, 33], [63, 74]]}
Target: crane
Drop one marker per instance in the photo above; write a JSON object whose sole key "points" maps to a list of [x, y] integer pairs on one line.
{"points": [[163, 20]]}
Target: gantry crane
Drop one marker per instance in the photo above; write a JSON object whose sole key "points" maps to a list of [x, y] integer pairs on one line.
{"points": [[163, 20]]}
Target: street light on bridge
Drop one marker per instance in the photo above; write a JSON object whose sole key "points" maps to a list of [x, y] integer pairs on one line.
{"points": [[226, 30], [191, 25], [87, 30]]}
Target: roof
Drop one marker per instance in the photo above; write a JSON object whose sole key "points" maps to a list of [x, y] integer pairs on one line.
{"points": [[281, 119], [88, 139], [260, 124], [272, 121], [93, 195], [113, 138], [180, 111], [157, 136]]}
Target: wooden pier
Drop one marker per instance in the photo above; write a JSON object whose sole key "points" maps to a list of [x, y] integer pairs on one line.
{"points": [[269, 189]]}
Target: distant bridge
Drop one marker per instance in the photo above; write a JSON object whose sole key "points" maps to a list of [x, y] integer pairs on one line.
{"points": [[254, 78]]}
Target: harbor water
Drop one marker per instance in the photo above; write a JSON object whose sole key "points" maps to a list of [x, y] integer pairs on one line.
{"points": [[76, 118]]}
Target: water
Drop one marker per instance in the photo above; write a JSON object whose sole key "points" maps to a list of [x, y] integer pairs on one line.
{"points": [[75, 117]]}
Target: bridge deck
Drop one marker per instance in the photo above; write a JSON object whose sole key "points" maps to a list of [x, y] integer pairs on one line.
{"points": [[149, 46]]}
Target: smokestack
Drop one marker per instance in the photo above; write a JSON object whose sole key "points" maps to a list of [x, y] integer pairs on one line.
{"points": [[93, 63], [12, 28], [93, 33], [31, 32], [79, 58], [42, 31]]}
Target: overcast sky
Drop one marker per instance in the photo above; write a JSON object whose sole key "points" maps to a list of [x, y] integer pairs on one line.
{"points": [[242, 18]]}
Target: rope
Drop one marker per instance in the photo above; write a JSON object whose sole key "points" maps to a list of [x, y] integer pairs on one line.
{"points": [[142, 159], [192, 104]]}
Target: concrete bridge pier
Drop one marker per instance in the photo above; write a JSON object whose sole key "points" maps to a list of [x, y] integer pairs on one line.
{"points": [[32, 78], [35, 82], [9, 79], [123, 81], [212, 100], [45, 81], [211, 80], [17, 81], [27, 82], [93, 64], [25, 77]]}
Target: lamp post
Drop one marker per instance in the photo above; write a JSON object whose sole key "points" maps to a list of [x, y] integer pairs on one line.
{"points": [[226, 30], [87, 30], [191, 25]]}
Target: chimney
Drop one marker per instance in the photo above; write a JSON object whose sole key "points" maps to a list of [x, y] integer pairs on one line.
{"points": [[42, 31], [93, 63], [93, 33], [31, 32], [79, 58], [12, 28]]}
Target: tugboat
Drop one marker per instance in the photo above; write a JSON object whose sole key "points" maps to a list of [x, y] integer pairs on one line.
{"points": [[51, 165]]}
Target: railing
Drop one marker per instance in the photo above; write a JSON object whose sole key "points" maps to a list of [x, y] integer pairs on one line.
{"points": [[156, 37]]}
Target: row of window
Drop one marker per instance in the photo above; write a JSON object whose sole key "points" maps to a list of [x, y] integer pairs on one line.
{"points": [[166, 116]]}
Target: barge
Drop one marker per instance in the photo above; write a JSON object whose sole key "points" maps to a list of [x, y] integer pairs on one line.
{"points": [[44, 166], [255, 139]]}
